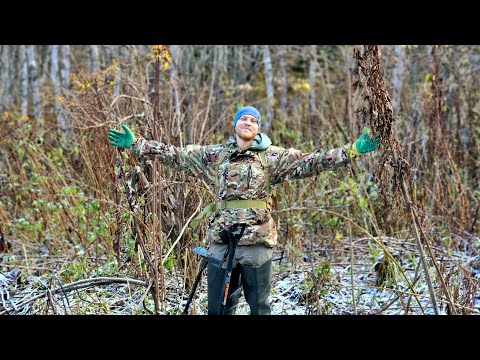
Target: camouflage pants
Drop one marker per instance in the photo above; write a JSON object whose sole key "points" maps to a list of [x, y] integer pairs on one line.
{"points": [[249, 255], [251, 270]]}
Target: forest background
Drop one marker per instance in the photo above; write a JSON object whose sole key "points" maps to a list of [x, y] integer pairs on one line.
{"points": [[86, 229]]}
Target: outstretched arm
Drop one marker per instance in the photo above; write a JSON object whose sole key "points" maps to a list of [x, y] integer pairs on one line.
{"points": [[190, 159], [293, 164]]}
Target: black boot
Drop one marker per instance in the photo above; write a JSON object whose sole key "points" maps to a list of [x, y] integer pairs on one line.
{"points": [[256, 287], [215, 277]]}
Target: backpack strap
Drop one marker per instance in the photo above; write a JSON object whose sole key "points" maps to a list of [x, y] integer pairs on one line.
{"points": [[263, 160], [231, 204]]}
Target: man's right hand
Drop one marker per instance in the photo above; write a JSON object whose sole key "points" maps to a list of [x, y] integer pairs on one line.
{"points": [[121, 139]]}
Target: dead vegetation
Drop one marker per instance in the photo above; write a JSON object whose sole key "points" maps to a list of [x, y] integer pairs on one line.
{"points": [[84, 229]]}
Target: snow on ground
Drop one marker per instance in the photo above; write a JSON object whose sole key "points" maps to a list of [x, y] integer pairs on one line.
{"points": [[295, 291]]}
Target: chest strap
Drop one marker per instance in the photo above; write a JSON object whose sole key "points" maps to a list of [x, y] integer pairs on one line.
{"points": [[227, 204]]}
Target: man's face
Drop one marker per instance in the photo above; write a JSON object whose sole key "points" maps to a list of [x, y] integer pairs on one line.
{"points": [[247, 127]]}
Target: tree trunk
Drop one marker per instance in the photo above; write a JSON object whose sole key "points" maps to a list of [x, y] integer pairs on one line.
{"points": [[224, 59], [283, 80], [44, 64], [176, 53], [5, 79], [210, 96], [254, 51], [267, 61], [397, 78], [311, 77], [61, 123], [23, 81], [239, 63], [349, 68], [94, 59], [65, 66], [117, 79], [311, 97], [33, 76]]}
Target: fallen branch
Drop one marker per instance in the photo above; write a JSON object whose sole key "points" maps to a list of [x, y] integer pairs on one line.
{"points": [[77, 285]]}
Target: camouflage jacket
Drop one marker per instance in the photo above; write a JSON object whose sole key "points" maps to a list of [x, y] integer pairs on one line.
{"points": [[241, 176]]}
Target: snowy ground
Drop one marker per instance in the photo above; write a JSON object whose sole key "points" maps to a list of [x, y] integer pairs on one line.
{"points": [[294, 290], [292, 285]]}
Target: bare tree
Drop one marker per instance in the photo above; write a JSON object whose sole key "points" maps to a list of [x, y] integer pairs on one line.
{"points": [[33, 79], [238, 50], [23, 80], [210, 96], [397, 78], [311, 76], [223, 58], [65, 66], [44, 63], [176, 53], [117, 80], [267, 61], [349, 68], [283, 79], [4, 71], [94, 59], [61, 123]]}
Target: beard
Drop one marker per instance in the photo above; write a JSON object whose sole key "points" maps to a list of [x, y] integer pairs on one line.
{"points": [[246, 134]]}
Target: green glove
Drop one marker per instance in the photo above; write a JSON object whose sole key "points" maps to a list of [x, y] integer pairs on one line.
{"points": [[364, 144], [120, 139]]}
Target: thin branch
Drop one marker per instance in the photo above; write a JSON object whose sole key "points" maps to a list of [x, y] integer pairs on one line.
{"points": [[81, 284]]}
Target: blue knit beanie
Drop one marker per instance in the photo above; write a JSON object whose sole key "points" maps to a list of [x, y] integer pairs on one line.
{"points": [[247, 110]]}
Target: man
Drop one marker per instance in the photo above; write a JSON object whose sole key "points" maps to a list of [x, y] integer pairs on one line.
{"points": [[242, 170]]}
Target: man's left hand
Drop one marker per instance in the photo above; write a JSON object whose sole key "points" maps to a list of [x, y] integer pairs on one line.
{"points": [[365, 144]]}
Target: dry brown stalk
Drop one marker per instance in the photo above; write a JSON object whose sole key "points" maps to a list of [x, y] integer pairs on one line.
{"points": [[376, 111]]}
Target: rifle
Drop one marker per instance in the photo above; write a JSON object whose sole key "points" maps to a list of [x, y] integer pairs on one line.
{"points": [[206, 257], [233, 240]]}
